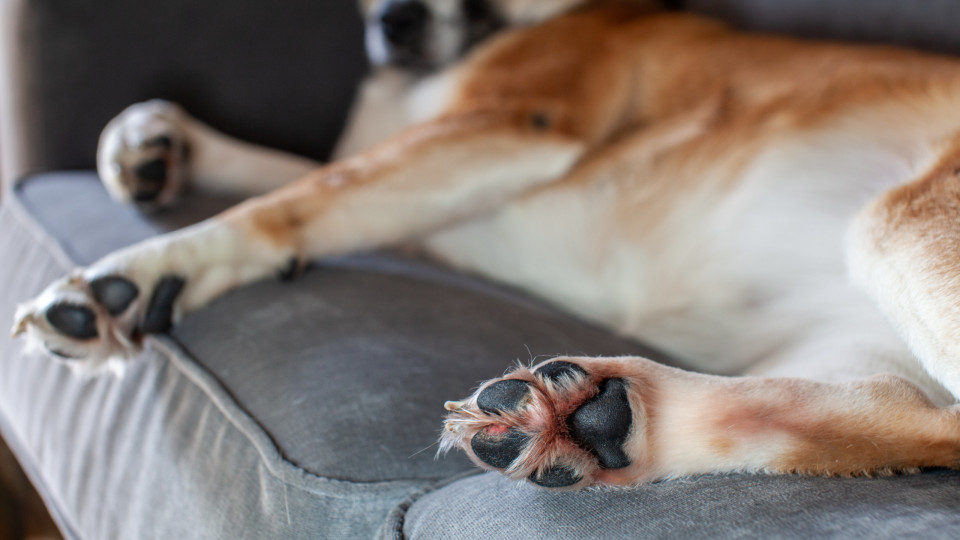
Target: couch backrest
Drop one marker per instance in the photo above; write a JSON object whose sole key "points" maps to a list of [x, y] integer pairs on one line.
{"points": [[925, 24], [277, 73]]}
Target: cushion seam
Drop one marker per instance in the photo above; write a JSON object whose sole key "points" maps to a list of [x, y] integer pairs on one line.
{"points": [[282, 469], [393, 526]]}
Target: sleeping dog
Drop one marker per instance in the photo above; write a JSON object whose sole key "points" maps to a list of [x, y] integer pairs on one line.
{"points": [[781, 212]]}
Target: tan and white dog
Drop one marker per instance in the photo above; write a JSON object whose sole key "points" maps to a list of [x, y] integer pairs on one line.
{"points": [[781, 212]]}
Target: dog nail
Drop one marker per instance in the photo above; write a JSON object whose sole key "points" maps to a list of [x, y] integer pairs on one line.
{"points": [[114, 293], [159, 315], [602, 424], [557, 476], [75, 321], [506, 395], [554, 371], [453, 405], [498, 445]]}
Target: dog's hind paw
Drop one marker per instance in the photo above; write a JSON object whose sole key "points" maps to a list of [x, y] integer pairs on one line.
{"points": [[143, 154], [568, 423]]}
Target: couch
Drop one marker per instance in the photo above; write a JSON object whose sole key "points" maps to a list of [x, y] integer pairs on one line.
{"points": [[311, 409]]}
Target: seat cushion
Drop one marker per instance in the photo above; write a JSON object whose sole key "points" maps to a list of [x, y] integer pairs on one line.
{"points": [[311, 409], [305, 408], [708, 507]]}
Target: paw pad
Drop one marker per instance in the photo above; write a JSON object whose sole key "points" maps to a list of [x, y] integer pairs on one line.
{"points": [[603, 423], [158, 317], [558, 370], [504, 396], [557, 476], [498, 445], [153, 176], [114, 293], [75, 321]]}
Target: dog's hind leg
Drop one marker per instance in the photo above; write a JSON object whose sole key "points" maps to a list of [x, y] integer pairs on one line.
{"points": [[904, 250], [575, 422]]}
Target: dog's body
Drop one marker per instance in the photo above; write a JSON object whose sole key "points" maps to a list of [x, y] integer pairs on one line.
{"points": [[753, 205]]}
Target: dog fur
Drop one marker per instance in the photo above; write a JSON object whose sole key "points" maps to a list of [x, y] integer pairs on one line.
{"points": [[779, 212]]}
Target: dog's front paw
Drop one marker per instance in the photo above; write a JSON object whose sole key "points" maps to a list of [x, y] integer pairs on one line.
{"points": [[567, 424], [97, 317], [142, 156]]}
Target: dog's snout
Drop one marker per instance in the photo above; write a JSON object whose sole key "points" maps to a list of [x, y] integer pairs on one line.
{"points": [[404, 23]]}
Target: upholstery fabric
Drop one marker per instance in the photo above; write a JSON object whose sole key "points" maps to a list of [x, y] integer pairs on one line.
{"points": [[926, 24], [317, 401], [709, 507]]}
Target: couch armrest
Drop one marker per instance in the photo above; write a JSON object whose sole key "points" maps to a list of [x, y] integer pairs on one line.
{"points": [[275, 73]]}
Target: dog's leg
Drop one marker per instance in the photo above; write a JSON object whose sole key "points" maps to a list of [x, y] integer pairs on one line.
{"points": [[435, 174], [904, 250], [154, 150], [574, 422]]}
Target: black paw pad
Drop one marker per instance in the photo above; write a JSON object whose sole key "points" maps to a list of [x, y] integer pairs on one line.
{"points": [[114, 293], [154, 170], [505, 395], [160, 141], [75, 321], [602, 424], [557, 476], [498, 446], [554, 371], [159, 315], [152, 176]]}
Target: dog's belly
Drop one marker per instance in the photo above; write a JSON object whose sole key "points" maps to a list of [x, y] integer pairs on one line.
{"points": [[735, 264]]}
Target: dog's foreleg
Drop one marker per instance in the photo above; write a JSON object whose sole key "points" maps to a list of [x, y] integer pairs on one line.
{"points": [[432, 175], [574, 422]]}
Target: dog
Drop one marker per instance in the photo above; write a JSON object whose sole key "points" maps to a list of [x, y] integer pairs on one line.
{"points": [[779, 213]]}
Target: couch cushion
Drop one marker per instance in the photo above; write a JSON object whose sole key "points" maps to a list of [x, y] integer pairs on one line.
{"points": [[709, 507], [275, 401]]}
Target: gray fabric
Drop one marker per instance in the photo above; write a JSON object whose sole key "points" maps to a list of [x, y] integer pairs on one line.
{"points": [[925, 24], [710, 507]]}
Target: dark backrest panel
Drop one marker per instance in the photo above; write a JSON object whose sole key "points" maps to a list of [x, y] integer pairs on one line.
{"points": [[275, 73], [925, 24]]}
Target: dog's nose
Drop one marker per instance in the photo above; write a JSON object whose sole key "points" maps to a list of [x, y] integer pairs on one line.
{"points": [[404, 24]]}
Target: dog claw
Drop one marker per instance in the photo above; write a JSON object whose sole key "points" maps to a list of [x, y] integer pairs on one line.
{"points": [[454, 405], [20, 326]]}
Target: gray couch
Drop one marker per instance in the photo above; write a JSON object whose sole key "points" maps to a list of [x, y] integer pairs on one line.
{"points": [[310, 409]]}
